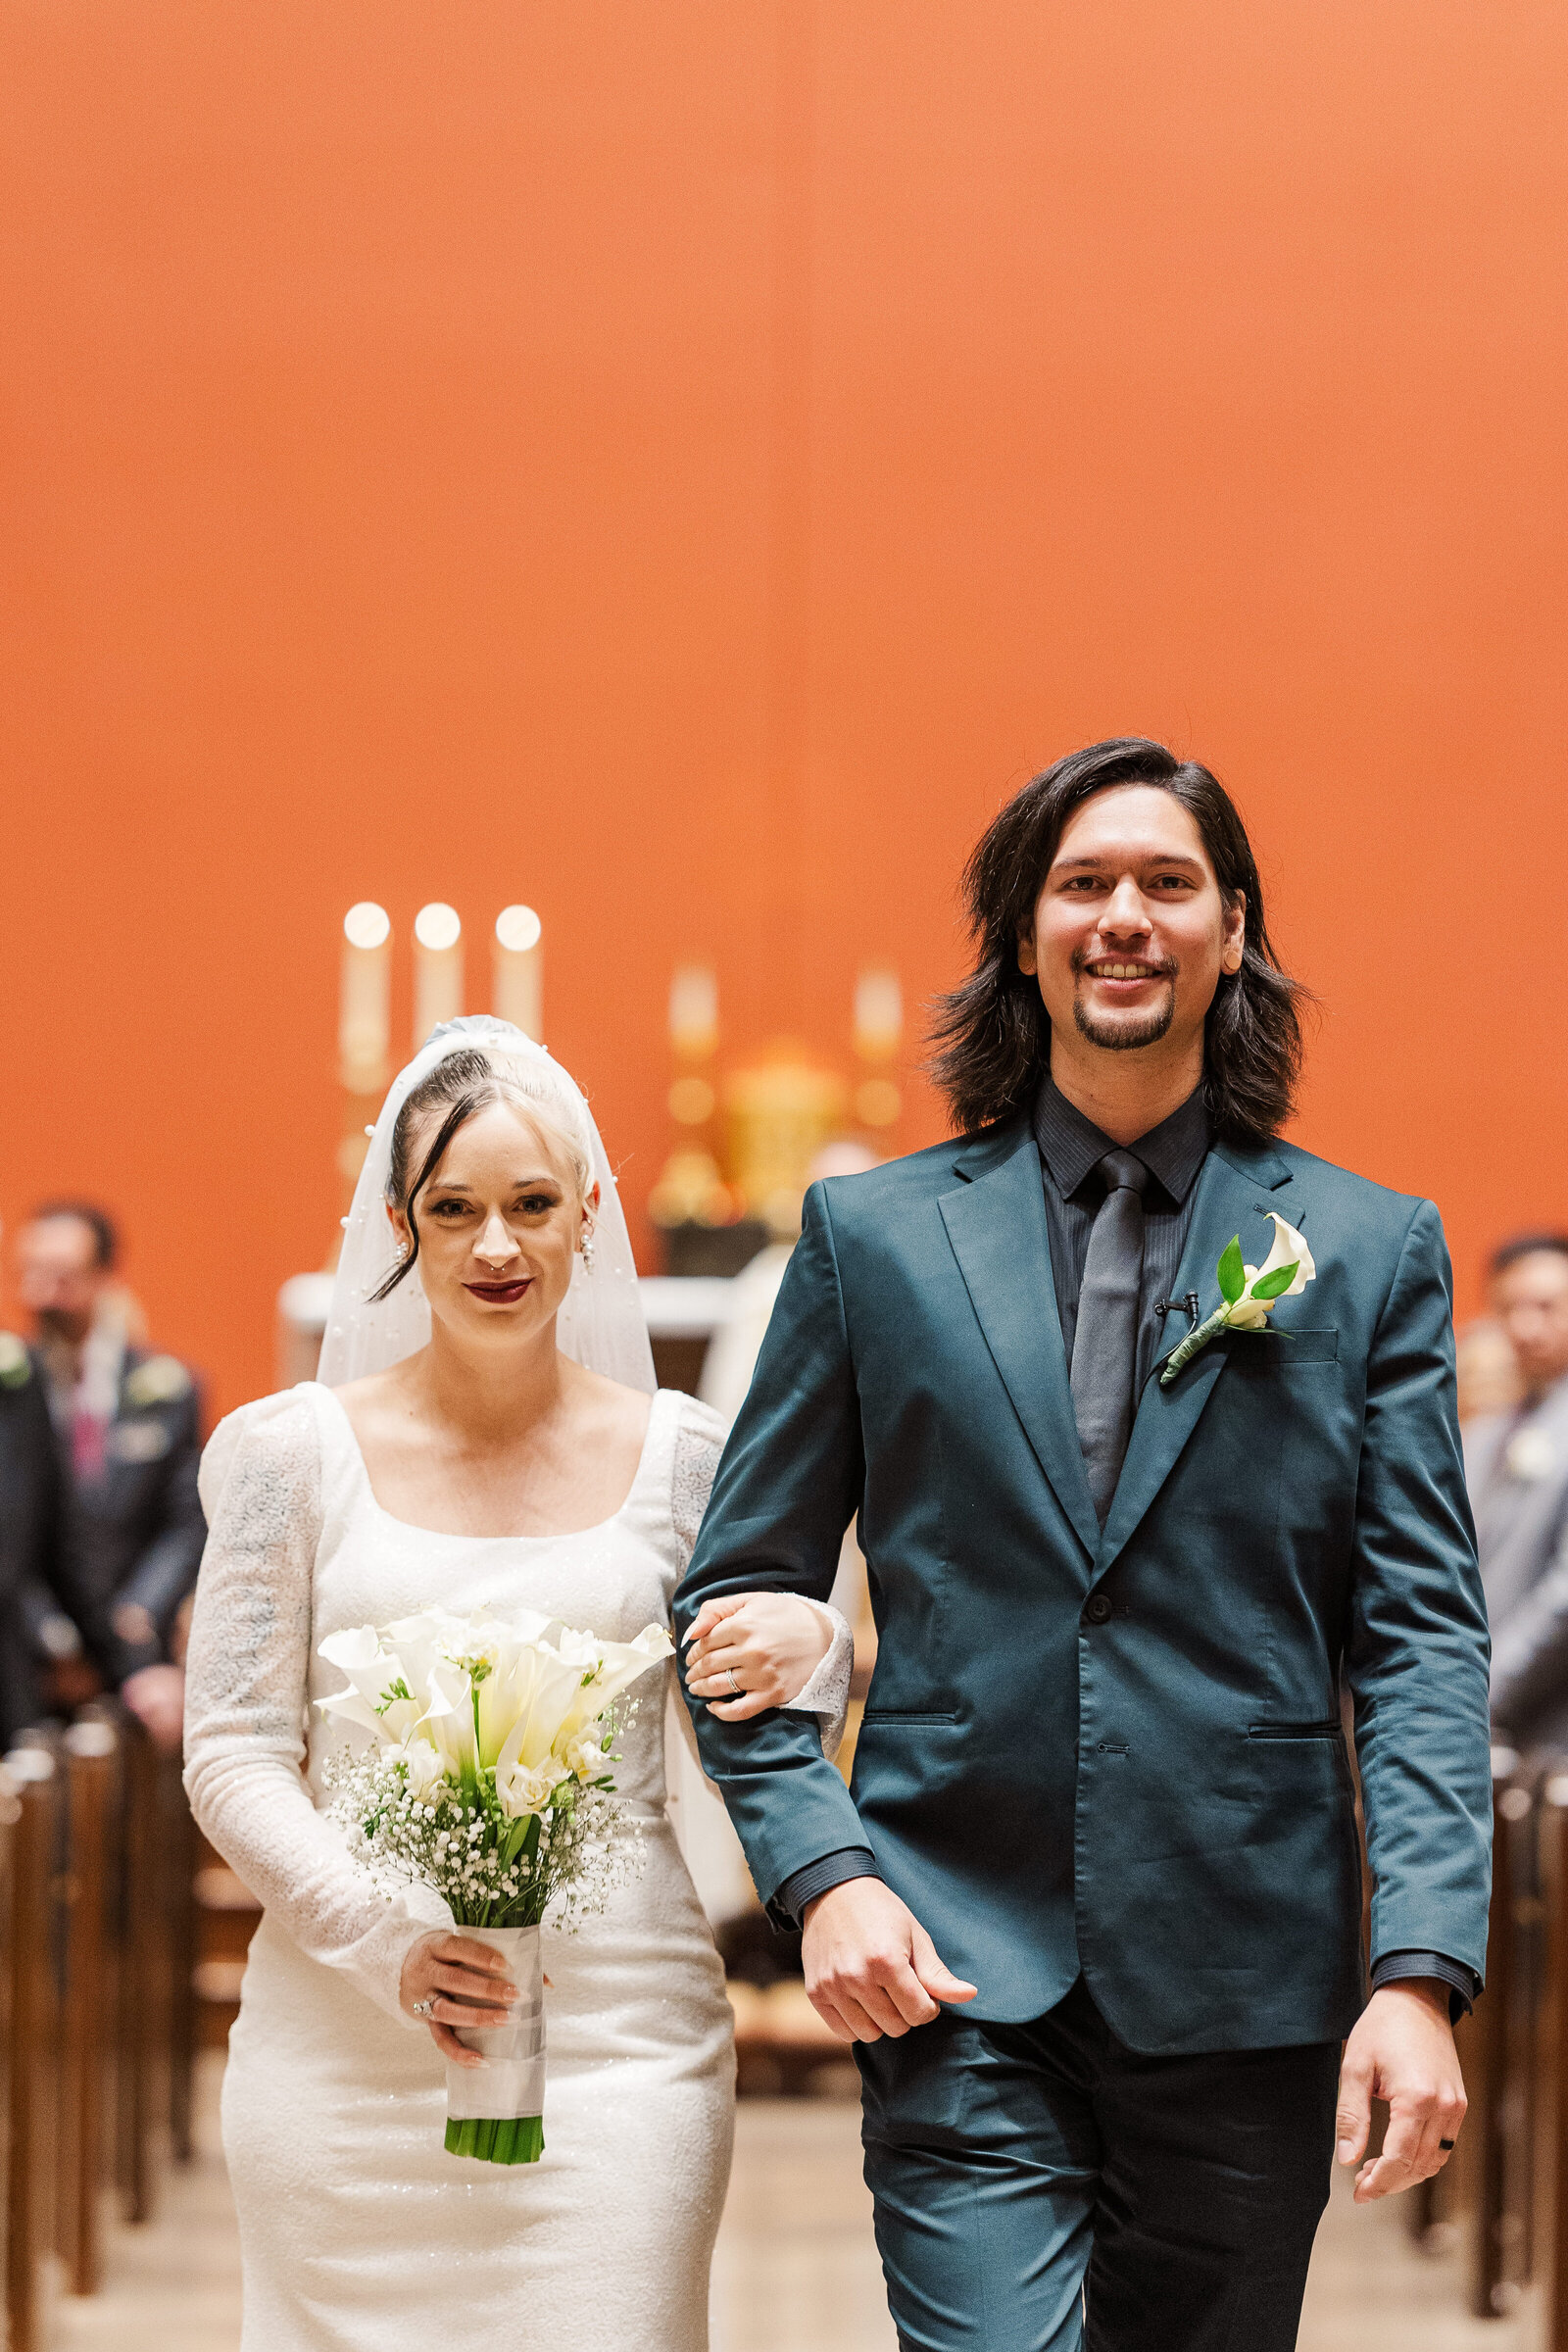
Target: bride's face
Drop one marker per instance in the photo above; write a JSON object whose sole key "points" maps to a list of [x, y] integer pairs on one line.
{"points": [[500, 1224]]}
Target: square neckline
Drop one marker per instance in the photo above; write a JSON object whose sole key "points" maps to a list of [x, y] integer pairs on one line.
{"points": [[447, 1535]]}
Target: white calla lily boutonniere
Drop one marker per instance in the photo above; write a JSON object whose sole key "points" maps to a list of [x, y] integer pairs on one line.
{"points": [[1247, 1292], [158, 1380]]}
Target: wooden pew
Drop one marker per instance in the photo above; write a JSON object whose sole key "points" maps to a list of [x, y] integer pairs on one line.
{"points": [[1499, 2053], [10, 1818], [34, 1783], [181, 1846], [1550, 2232], [91, 1759]]}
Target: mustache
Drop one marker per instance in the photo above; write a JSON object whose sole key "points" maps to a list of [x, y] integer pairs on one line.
{"points": [[1161, 967]]}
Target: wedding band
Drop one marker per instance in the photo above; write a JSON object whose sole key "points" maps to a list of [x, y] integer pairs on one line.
{"points": [[425, 2008], [733, 1684], [1445, 2144]]}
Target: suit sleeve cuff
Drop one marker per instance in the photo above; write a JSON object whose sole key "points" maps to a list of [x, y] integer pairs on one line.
{"points": [[803, 1886], [1463, 1984]]}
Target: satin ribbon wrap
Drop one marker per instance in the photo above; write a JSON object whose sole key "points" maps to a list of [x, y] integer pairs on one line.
{"points": [[496, 2112]]}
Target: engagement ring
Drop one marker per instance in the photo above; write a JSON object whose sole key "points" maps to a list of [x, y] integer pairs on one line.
{"points": [[733, 1684], [425, 2008]]}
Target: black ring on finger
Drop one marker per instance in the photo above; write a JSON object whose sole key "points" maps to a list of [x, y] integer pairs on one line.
{"points": [[1445, 2144]]}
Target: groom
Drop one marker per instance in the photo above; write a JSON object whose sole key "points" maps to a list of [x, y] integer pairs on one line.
{"points": [[1092, 1910]]}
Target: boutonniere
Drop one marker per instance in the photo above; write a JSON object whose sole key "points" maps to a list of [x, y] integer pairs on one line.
{"points": [[16, 1364], [1247, 1292], [161, 1380]]}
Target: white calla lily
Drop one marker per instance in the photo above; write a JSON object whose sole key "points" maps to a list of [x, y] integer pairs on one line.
{"points": [[1248, 1293], [1249, 1313]]}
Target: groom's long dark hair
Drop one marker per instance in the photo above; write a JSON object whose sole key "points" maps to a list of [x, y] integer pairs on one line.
{"points": [[992, 1034]]}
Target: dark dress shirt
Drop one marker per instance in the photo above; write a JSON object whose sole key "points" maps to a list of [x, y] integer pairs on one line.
{"points": [[1070, 1147]]}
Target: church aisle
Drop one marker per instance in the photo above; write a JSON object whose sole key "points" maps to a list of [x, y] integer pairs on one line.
{"points": [[796, 2272], [173, 2285]]}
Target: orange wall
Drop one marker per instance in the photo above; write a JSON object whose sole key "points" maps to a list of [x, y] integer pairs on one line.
{"points": [[681, 464]]}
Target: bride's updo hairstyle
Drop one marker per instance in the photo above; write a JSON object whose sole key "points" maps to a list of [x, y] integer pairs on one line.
{"points": [[462, 1084]]}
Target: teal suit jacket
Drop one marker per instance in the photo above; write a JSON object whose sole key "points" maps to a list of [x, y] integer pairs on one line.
{"points": [[1119, 1750]]}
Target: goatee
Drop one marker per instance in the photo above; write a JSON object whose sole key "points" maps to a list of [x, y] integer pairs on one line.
{"points": [[1125, 1036]]}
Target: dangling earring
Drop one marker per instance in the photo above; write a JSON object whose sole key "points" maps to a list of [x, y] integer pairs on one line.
{"points": [[588, 1250]]}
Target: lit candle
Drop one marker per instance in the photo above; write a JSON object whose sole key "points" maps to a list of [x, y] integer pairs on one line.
{"points": [[878, 1035], [519, 995], [365, 1001], [437, 968], [692, 1038]]}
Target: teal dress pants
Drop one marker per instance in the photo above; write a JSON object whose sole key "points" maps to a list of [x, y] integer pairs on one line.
{"points": [[1043, 2188]]}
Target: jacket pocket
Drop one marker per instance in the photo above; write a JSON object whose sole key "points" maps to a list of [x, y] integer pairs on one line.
{"points": [[1279, 1346], [1330, 1728], [910, 1715]]}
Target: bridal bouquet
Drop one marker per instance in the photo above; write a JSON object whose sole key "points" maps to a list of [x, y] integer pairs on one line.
{"points": [[490, 1781]]}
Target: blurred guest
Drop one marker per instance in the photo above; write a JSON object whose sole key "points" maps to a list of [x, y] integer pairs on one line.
{"points": [[1488, 1370], [1516, 1462], [128, 1426]]}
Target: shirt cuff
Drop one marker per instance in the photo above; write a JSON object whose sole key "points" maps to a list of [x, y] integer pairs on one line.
{"points": [[803, 1886], [1463, 1984]]}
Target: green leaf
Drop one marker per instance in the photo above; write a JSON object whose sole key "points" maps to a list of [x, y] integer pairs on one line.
{"points": [[1275, 1285], [1232, 1272]]}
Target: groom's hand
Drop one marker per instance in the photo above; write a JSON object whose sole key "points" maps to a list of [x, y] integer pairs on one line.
{"points": [[870, 1967], [1401, 2050]]}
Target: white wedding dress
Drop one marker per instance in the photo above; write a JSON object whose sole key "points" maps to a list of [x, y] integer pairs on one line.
{"points": [[359, 2233]]}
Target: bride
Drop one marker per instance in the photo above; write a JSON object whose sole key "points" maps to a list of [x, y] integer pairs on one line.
{"points": [[483, 1433]]}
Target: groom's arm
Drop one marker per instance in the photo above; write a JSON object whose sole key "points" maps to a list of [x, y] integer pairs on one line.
{"points": [[788, 1485], [1417, 1653], [1417, 1663]]}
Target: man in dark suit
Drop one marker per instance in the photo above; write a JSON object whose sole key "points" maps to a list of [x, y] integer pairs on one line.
{"points": [[127, 1426], [32, 1534], [1090, 1909]]}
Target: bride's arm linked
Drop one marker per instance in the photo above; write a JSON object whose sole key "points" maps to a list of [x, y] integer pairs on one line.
{"points": [[247, 1674], [784, 1650]]}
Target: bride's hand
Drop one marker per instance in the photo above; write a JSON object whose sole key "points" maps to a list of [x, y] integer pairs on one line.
{"points": [[467, 1982], [771, 1642]]}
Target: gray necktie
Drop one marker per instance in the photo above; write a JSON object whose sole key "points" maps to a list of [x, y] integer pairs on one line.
{"points": [[1104, 1351]]}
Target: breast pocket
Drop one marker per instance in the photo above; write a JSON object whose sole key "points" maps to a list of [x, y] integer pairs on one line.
{"points": [[1281, 1349]]}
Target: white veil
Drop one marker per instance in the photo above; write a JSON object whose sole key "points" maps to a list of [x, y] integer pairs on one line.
{"points": [[600, 1322]]}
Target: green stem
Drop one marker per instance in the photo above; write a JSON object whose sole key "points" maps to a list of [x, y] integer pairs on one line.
{"points": [[1182, 1355], [508, 2140]]}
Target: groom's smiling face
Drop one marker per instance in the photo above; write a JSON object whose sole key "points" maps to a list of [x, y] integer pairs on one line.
{"points": [[1131, 932]]}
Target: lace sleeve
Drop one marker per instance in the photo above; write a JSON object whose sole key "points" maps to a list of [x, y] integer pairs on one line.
{"points": [[245, 1704], [699, 1442]]}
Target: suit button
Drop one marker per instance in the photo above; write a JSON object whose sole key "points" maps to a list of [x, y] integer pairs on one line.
{"points": [[1097, 1609]]}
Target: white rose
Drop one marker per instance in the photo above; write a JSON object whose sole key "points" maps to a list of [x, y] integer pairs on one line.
{"points": [[525, 1788], [585, 1753], [423, 1764]]}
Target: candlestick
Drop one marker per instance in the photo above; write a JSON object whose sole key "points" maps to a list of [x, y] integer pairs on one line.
{"points": [[518, 982], [437, 968]]}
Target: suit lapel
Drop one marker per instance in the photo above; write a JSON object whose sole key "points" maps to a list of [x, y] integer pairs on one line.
{"points": [[997, 1226], [1231, 1194]]}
